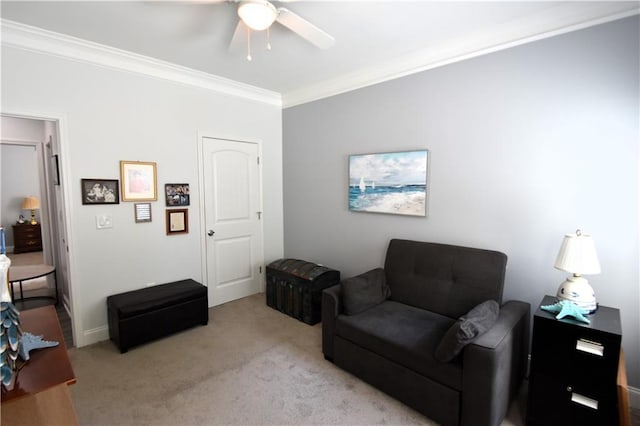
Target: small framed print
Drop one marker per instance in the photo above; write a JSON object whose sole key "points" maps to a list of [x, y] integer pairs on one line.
{"points": [[177, 194], [142, 212], [100, 191], [138, 181], [177, 221]]}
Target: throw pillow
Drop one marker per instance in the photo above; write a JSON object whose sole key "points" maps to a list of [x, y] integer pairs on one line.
{"points": [[468, 328], [364, 291]]}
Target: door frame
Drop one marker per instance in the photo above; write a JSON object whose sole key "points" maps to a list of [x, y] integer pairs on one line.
{"points": [[201, 136], [65, 189]]}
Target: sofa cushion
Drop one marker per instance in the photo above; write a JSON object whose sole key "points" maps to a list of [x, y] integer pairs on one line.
{"points": [[403, 334], [446, 279], [468, 328], [364, 291]]}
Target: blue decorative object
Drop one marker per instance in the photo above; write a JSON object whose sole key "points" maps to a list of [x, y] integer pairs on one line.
{"points": [[30, 342], [10, 334], [565, 308]]}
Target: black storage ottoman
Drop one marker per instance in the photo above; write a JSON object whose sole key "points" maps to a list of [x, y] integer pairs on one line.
{"points": [[295, 286], [143, 315]]}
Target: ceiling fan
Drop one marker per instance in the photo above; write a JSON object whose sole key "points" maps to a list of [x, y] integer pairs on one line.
{"points": [[260, 15]]}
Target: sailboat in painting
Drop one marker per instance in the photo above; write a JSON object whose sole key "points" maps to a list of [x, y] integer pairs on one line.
{"points": [[363, 187]]}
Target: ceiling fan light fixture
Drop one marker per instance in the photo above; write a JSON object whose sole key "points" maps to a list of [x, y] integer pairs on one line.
{"points": [[257, 15]]}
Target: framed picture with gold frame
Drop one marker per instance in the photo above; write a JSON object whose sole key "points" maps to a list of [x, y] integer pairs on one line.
{"points": [[177, 221], [138, 180]]}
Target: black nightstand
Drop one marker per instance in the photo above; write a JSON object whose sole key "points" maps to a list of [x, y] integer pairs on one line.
{"points": [[574, 368]]}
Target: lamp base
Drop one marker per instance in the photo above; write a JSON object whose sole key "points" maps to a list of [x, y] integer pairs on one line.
{"points": [[576, 289], [33, 218]]}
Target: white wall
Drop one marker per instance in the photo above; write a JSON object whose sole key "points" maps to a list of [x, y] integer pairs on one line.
{"points": [[527, 144], [110, 115]]}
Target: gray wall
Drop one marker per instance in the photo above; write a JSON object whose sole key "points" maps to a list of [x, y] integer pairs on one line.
{"points": [[526, 144]]}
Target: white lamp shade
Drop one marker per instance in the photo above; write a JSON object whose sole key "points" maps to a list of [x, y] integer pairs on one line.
{"points": [[257, 14], [578, 255], [31, 203]]}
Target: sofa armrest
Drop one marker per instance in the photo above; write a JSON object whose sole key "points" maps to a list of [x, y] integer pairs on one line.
{"points": [[331, 308], [494, 366]]}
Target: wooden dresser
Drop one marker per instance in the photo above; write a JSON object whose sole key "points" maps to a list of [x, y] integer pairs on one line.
{"points": [[26, 237]]}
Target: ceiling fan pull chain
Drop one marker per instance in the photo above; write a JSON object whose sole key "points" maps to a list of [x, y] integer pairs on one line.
{"points": [[248, 44], [268, 38]]}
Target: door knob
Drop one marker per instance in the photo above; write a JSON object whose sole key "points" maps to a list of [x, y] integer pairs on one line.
{"points": [[211, 232]]}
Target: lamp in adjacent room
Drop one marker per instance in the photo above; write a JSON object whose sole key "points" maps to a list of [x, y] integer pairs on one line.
{"points": [[31, 203], [578, 256]]}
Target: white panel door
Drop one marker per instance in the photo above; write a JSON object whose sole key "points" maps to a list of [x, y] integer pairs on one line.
{"points": [[232, 219]]}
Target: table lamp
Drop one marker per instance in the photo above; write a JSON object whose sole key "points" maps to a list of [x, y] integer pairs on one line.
{"points": [[578, 256], [31, 203]]}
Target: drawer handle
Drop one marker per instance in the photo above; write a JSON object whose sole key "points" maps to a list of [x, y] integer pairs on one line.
{"points": [[583, 400], [590, 346]]}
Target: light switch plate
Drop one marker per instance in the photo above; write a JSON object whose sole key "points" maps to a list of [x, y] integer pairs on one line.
{"points": [[104, 221]]}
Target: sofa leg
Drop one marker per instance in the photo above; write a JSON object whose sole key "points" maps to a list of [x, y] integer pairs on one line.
{"points": [[328, 358]]}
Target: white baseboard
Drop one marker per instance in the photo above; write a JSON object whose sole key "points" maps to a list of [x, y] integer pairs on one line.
{"points": [[634, 397], [94, 335]]}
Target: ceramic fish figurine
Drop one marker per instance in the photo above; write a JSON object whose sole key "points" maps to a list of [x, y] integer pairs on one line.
{"points": [[10, 333], [10, 330], [565, 308]]}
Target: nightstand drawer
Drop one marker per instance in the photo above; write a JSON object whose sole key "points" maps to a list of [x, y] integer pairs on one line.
{"points": [[552, 402], [33, 235]]}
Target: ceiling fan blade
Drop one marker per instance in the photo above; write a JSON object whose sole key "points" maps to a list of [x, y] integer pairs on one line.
{"points": [[239, 37], [304, 28]]}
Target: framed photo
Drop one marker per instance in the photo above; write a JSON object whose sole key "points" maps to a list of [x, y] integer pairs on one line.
{"points": [[177, 221], [392, 182], [177, 194], [138, 181], [142, 212], [100, 191]]}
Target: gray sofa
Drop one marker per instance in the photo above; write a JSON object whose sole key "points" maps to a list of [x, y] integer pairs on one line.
{"points": [[426, 331]]}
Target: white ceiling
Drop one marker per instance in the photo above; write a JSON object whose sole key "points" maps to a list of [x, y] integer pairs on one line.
{"points": [[375, 41]]}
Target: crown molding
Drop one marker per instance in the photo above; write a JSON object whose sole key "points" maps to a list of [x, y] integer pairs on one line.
{"points": [[550, 23], [26, 37]]}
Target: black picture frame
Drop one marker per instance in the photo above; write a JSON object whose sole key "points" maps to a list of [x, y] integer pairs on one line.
{"points": [[177, 194], [100, 191]]}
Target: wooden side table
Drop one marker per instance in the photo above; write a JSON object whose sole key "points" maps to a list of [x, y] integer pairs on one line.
{"points": [[26, 238], [40, 395], [29, 272]]}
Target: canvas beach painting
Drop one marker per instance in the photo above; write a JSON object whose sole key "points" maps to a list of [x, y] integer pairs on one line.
{"points": [[392, 182]]}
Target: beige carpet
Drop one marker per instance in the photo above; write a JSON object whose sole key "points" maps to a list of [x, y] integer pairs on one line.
{"points": [[251, 365]]}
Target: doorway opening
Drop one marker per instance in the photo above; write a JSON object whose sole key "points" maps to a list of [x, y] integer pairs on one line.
{"points": [[32, 214]]}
